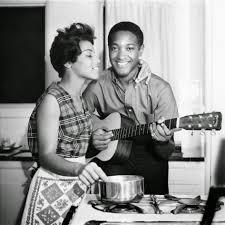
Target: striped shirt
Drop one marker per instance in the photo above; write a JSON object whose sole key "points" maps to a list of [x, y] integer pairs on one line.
{"points": [[75, 127]]}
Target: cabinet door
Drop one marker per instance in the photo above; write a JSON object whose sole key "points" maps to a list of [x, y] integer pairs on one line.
{"points": [[13, 184], [187, 178]]}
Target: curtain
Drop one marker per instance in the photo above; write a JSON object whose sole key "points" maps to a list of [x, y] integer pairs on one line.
{"points": [[174, 48]]}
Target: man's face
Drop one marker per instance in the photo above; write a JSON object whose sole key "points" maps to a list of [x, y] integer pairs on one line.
{"points": [[124, 52]]}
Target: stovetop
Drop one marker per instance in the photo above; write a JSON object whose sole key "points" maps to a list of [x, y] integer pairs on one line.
{"points": [[86, 212], [151, 204]]}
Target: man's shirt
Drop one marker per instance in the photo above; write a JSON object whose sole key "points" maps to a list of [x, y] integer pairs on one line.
{"points": [[144, 103]]}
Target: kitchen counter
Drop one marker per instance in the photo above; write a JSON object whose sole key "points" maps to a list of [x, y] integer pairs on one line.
{"points": [[86, 212], [23, 154], [20, 154]]}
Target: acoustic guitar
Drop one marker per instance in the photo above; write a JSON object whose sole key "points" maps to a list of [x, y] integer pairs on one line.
{"points": [[115, 123]]}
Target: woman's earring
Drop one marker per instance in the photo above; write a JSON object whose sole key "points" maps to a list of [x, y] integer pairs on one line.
{"points": [[67, 65]]}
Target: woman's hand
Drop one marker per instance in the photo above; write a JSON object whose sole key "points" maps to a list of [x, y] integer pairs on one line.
{"points": [[91, 172]]}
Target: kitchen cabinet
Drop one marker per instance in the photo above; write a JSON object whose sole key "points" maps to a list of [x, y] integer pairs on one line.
{"points": [[13, 178], [187, 177]]}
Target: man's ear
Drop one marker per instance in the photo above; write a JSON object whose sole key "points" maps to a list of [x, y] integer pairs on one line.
{"points": [[68, 65], [141, 50]]}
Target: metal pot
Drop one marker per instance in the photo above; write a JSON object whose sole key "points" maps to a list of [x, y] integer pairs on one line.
{"points": [[121, 188]]}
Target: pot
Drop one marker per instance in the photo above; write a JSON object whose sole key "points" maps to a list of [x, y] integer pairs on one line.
{"points": [[121, 189]]}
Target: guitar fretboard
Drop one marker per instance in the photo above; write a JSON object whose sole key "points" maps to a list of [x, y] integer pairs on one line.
{"points": [[139, 130]]}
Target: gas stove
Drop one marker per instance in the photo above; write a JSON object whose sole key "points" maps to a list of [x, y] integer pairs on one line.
{"points": [[151, 204], [149, 209]]}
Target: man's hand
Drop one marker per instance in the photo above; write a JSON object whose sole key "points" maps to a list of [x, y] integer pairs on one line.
{"points": [[90, 173], [101, 138], [160, 132]]}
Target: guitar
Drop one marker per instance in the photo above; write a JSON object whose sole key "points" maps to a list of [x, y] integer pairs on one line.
{"points": [[115, 123]]}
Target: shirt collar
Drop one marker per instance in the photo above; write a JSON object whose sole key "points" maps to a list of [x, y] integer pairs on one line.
{"points": [[115, 80], [143, 77]]}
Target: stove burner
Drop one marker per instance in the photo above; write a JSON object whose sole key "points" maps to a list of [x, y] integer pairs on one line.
{"points": [[115, 208], [193, 209], [125, 208]]}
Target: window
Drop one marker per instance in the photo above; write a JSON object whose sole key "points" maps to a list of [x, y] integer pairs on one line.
{"points": [[22, 44]]}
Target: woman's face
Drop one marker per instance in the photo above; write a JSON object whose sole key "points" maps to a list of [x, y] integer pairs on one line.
{"points": [[87, 64]]}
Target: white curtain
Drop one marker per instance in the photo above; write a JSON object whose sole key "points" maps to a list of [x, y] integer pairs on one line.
{"points": [[174, 48]]}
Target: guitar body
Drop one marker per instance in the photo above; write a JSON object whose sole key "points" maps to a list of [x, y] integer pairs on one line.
{"points": [[118, 150], [123, 129]]}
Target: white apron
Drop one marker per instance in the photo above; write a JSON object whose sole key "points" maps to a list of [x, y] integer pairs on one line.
{"points": [[50, 197]]}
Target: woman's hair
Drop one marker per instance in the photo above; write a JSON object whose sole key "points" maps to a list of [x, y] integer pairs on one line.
{"points": [[65, 47], [126, 26]]}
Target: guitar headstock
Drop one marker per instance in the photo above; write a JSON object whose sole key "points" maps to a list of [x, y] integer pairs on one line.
{"points": [[205, 121]]}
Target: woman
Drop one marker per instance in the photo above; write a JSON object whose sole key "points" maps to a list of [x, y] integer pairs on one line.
{"points": [[60, 128]]}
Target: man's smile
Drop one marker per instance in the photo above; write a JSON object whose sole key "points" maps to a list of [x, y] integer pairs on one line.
{"points": [[122, 63]]}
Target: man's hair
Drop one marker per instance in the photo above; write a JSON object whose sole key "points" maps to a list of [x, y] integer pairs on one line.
{"points": [[126, 26], [65, 47]]}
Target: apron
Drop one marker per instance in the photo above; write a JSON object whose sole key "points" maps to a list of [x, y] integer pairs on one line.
{"points": [[50, 197]]}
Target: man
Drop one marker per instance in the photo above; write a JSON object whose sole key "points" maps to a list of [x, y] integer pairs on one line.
{"points": [[122, 89]]}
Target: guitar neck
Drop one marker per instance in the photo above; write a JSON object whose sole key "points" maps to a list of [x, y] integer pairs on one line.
{"points": [[139, 130]]}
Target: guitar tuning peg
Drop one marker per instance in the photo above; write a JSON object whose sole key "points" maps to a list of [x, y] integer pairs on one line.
{"points": [[213, 132], [192, 132], [202, 132]]}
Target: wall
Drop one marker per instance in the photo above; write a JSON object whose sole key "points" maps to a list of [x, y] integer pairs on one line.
{"points": [[13, 122], [61, 13], [216, 90], [58, 14]]}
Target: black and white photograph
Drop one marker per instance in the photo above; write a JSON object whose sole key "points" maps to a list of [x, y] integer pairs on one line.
{"points": [[111, 112]]}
